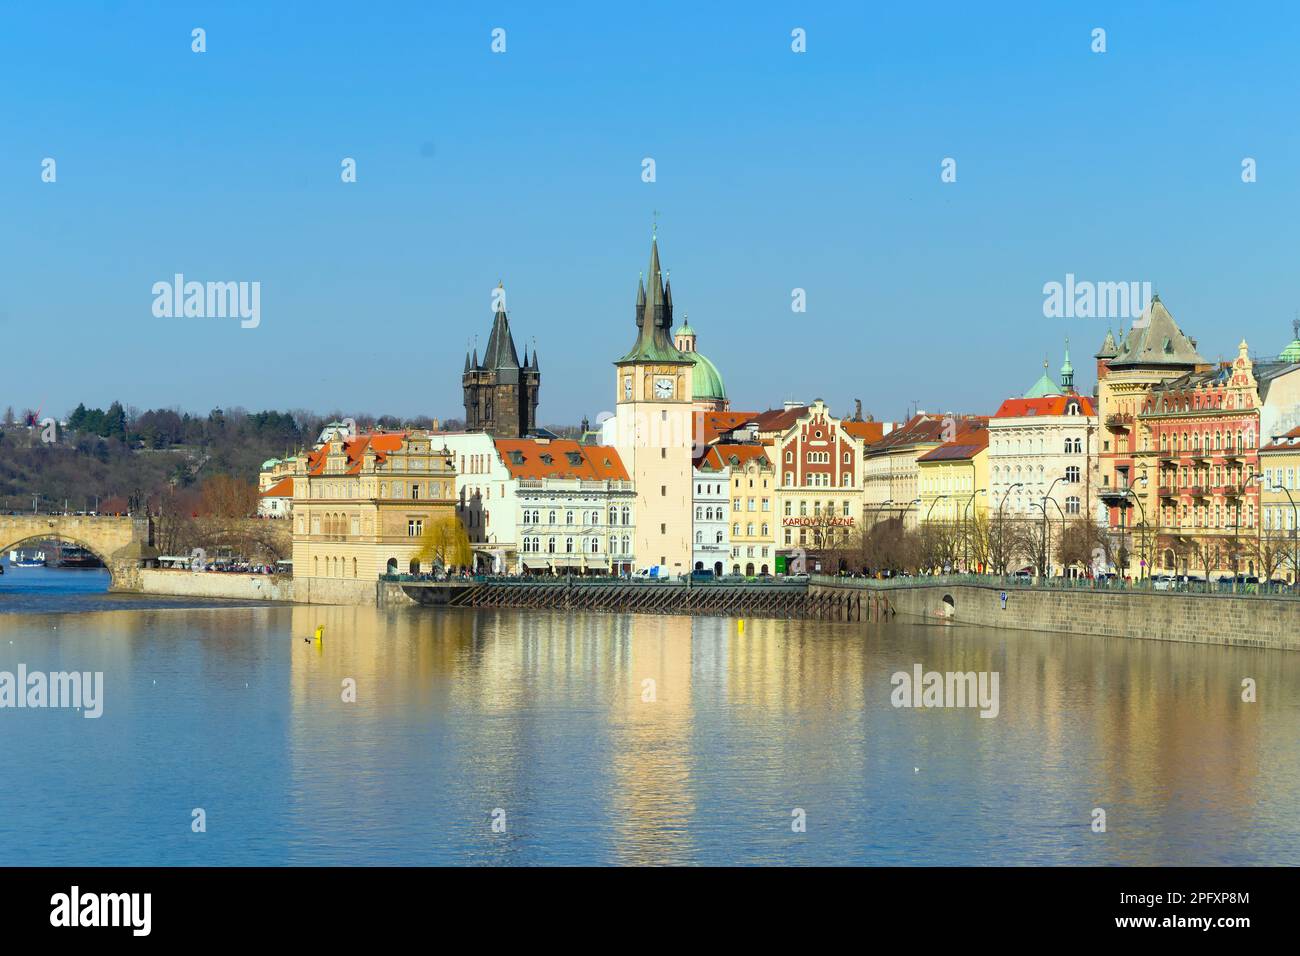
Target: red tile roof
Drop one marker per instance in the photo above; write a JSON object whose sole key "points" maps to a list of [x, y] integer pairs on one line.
{"points": [[779, 419], [281, 489], [1047, 405], [1288, 442], [525, 458], [716, 424], [926, 429], [355, 449], [869, 432]]}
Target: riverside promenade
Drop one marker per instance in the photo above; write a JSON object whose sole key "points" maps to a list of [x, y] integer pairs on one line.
{"points": [[1245, 618], [1135, 612]]}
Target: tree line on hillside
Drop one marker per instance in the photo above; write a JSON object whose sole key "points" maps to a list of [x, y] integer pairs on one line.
{"points": [[129, 455]]}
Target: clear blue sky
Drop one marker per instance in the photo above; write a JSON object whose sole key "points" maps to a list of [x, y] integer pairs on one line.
{"points": [[775, 171]]}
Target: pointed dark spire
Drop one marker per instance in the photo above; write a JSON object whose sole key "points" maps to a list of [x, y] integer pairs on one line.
{"points": [[654, 316], [467, 365], [501, 344]]}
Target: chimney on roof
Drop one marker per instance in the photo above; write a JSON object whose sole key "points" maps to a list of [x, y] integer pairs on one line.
{"points": [[790, 405]]}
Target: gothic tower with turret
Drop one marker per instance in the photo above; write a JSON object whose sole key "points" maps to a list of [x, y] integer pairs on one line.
{"points": [[500, 393]]}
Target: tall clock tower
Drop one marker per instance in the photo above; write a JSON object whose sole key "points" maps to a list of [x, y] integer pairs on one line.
{"points": [[654, 434]]}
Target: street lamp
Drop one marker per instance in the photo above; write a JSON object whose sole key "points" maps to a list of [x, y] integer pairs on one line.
{"points": [[1295, 538], [1062, 514], [1129, 493], [1047, 570], [965, 532], [1001, 529]]}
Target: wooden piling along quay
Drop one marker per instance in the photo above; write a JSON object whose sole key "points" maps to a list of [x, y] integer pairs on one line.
{"points": [[775, 600]]}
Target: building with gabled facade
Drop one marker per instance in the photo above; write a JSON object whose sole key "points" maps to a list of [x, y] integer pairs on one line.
{"points": [[819, 472], [361, 505], [500, 392], [1155, 350], [1198, 452]]}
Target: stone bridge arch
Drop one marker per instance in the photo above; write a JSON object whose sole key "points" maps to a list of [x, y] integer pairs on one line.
{"points": [[124, 544]]}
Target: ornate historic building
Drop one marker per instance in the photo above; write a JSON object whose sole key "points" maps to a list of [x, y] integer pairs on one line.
{"points": [[820, 463], [1154, 351], [654, 426], [1043, 452], [361, 506], [1198, 440], [500, 393]]}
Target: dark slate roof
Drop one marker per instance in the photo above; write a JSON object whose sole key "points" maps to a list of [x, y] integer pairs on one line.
{"points": [[501, 344], [1159, 342]]}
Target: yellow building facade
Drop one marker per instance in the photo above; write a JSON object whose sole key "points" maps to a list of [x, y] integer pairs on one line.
{"points": [[362, 505]]}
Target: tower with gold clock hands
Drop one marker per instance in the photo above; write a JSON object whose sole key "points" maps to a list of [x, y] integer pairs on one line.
{"points": [[654, 426]]}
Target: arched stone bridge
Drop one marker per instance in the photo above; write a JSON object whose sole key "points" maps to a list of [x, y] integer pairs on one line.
{"points": [[123, 544]]}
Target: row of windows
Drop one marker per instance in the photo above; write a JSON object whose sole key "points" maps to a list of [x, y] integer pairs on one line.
{"points": [[1285, 477], [816, 508], [534, 516], [591, 545], [1025, 446], [1003, 476], [1279, 518], [749, 530], [1207, 516], [1223, 441], [818, 457]]}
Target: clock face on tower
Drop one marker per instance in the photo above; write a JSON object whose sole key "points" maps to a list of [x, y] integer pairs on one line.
{"points": [[663, 388]]}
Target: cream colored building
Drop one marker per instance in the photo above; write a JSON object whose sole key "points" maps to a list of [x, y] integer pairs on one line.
{"points": [[362, 505], [1044, 447], [753, 520], [653, 428], [891, 487], [954, 479]]}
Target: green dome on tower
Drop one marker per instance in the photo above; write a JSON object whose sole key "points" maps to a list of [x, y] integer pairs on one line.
{"points": [[1044, 386], [1292, 352], [706, 380]]}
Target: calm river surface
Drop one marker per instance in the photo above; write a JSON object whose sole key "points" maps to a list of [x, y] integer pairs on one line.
{"points": [[459, 713]]}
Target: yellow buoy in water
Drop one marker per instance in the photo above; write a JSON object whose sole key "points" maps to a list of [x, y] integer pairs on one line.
{"points": [[320, 633], [741, 625]]}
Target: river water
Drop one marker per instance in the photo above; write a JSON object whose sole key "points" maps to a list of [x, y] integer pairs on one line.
{"points": [[622, 739]]}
